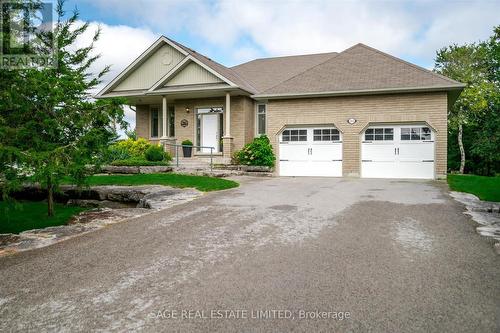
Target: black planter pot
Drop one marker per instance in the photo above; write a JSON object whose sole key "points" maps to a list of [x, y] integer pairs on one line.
{"points": [[187, 151]]}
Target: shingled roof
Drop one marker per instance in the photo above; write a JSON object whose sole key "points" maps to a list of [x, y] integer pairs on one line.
{"points": [[361, 68], [268, 72]]}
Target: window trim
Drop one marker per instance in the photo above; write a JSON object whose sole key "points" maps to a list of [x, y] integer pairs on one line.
{"points": [[257, 134], [169, 123], [150, 112]]}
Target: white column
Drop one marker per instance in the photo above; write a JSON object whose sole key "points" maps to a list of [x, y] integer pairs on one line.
{"points": [[228, 115], [164, 122]]}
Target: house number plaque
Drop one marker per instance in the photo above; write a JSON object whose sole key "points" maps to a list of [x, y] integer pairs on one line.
{"points": [[184, 123]]}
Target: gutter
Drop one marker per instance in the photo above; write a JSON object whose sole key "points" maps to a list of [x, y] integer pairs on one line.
{"points": [[360, 92]]}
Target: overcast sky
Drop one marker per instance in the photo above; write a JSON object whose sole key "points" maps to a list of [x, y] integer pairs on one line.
{"points": [[235, 31]]}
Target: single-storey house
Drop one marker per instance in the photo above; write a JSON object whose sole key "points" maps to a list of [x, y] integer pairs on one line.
{"points": [[359, 112]]}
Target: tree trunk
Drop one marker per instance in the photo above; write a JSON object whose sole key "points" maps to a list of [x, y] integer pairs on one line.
{"points": [[462, 150], [50, 199]]}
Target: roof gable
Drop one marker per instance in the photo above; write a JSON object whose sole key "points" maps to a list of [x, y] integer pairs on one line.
{"points": [[151, 70], [361, 68], [193, 73]]}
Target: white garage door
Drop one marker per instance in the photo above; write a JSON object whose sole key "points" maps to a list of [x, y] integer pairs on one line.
{"points": [[402, 151], [314, 151]]}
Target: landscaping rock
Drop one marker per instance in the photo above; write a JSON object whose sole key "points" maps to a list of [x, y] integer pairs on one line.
{"points": [[154, 169], [135, 169], [485, 213], [147, 199], [256, 168], [120, 169], [8, 239], [92, 203]]}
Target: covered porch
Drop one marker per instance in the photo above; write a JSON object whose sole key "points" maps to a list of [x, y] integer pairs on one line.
{"points": [[180, 95], [216, 122]]}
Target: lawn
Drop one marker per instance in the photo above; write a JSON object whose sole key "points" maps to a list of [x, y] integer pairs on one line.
{"points": [[202, 183], [27, 215], [486, 188]]}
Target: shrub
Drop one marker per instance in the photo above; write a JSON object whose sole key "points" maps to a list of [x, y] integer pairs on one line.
{"points": [[187, 143], [154, 153], [115, 153], [258, 152], [134, 147]]}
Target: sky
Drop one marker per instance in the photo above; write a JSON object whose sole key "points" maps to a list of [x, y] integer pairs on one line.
{"points": [[235, 31]]}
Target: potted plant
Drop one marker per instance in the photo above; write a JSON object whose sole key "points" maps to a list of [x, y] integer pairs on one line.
{"points": [[187, 148]]}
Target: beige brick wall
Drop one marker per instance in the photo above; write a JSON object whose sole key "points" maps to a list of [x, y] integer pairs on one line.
{"points": [[142, 121], [417, 107], [242, 119]]}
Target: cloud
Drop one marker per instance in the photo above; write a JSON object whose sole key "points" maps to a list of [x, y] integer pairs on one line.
{"points": [[407, 29], [117, 46], [232, 32]]}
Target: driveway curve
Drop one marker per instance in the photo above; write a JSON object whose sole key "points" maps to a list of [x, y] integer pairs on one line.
{"points": [[275, 254]]}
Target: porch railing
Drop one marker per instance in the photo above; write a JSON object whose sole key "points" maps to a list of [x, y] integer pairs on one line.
{"points": [[202, 147]]}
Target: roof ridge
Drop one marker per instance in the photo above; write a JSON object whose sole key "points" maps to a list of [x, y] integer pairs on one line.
{"points": [[286, 56], [310, 68], [425, 70]]}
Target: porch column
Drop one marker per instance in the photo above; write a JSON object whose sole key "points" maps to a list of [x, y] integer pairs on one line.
{"points": [[227, 140], [165, 140], [164, 120], [228, 115]]}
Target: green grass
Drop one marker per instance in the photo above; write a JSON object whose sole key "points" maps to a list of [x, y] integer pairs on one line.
{"points": [[27, 215], [485, 188], [201, 183]]}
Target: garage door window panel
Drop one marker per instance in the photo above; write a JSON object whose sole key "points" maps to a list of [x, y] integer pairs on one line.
{"points": [[415, 134], [379, 134], [326, 134], [294, 135]]}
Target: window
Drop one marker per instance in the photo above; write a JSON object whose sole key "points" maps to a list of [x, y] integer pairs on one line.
{"points": [[379, 134], [156, 121], [415, 133], [294, 135], [261, 119], [171, 121], [326, 134]]}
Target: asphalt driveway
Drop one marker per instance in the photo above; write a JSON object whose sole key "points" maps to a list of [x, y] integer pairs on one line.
{"points": [[384, 255]]}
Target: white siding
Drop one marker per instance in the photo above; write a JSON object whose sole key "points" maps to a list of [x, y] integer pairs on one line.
{"points": [[151, 70], [193, 74]]}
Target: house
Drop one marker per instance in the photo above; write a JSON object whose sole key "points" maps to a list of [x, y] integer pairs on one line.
{"points": [[359, 112]]}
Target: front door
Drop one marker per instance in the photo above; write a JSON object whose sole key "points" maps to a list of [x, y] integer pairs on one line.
{"points": [[209, 122]]}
